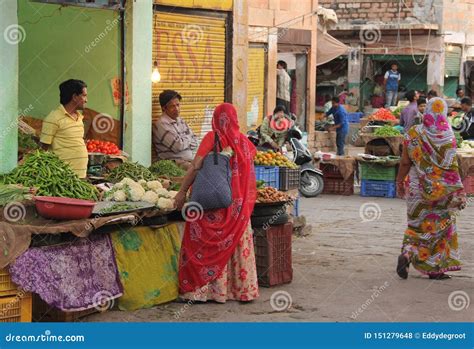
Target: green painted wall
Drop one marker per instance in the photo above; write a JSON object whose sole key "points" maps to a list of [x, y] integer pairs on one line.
{"points": [[8, 85], [64, 43]]}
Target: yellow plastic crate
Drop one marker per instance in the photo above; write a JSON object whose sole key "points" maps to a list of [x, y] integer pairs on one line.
{"points": [[16, 308], [7, 287]]}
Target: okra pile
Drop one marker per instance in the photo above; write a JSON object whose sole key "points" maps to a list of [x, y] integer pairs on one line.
{"points": [[51, 177]]}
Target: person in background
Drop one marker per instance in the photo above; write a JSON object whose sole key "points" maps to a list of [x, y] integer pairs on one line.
{"points": [[274, 129], [352, 100], [283, 86], [408, 115], [63, 129], [172, 137], [343, 96], [391, 80], [421, 111], [431, 94], [459, 95], [328, 103], [429, 176], [341, 125], [466, 127]]}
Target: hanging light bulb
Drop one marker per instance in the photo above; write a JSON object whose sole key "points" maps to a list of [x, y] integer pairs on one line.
{"points": [[155, 75], [450, 48]]}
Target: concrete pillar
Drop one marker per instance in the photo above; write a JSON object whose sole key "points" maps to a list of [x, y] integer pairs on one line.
{"points": [[240, 61], [435, 76], [12, 34], [311, 79], [301, 87], [139, 38], [272, 58], [462, 80], [354, 70]]}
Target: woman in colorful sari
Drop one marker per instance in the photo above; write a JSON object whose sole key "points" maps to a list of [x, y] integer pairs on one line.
{"points": [[434, 192], [217, 254]]}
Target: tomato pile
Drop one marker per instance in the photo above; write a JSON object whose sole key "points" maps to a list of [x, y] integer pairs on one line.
{"points": [[95, 146], [383, 114]]}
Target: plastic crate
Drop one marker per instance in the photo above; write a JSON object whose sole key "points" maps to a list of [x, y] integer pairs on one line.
{"points": [[385, 189], [43, 312], [468, 183], [289, 178], [330, 171], [273, 255], [377, 172], [16, 308], [7, 287], [354, 118], [269, 174], [339, 186]]}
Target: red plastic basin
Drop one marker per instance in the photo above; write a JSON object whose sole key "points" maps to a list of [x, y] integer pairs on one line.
{"points": [[63, 208]]}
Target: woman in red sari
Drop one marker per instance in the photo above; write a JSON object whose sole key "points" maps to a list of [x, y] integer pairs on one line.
{"points": [[217, 254]]}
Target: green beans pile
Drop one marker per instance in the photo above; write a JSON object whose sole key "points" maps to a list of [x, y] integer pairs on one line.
{"points": [[51, 177], [167, 168], [386, 131], [131, 170]]}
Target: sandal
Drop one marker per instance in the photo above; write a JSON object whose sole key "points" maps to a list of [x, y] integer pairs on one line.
{"points": [[402, 266], [441, 276]]}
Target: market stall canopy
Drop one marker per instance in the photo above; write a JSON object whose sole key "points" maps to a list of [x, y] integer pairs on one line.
{"points": [[329, 48]]}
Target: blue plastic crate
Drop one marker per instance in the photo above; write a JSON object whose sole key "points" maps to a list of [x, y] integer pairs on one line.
{"points": [[269, 174], [354, 118], [385, 189]]}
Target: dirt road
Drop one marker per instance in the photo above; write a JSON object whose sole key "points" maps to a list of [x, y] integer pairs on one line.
{"points": [[344, 271]]}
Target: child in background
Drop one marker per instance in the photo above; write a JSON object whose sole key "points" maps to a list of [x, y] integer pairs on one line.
{"points": [[421, 111]]}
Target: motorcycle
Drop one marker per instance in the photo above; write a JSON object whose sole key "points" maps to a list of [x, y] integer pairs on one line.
{"points": [[311, 178]]}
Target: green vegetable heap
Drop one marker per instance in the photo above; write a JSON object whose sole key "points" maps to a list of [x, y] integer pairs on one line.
{"points": [[13, 193], [118, 208], [167, 168], [386, 131], [51, 177], [130, 170]]}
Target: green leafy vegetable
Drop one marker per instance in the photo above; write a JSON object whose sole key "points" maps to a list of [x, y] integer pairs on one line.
{"points": [[167, 168]]}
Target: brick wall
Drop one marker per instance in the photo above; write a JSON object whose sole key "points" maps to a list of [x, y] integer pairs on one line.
{"points": [[376, 10], [458, 16]]}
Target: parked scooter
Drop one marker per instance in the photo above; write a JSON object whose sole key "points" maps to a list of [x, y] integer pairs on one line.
{"points": [[311, 178]]}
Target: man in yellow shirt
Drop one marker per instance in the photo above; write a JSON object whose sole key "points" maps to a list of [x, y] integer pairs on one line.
{"points": [[63, 129]]}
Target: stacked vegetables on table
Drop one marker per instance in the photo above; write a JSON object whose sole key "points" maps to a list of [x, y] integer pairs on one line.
{"points": [[271, 195], [51, 177], [271, 158], [383, 115], [14, 193], [152, 192], [387, 131], [467, 145], [167, 168], [397, 112], [132, 170], [26, 142], [109, 148]]}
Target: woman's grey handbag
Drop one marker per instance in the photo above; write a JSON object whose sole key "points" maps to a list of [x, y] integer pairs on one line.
{"points": [[212, 187]]}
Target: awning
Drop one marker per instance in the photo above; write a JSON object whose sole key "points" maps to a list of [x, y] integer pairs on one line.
{"points": [[329, 48]]}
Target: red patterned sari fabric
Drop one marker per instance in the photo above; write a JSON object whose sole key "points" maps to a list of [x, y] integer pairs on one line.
{"points": [[211, 240]]}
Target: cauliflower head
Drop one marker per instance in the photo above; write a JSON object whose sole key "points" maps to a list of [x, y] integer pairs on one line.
{"points": [[120, 195], [151, 197], [154, 185], [165, 203]]}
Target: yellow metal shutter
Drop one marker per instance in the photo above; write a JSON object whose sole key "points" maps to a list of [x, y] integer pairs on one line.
{"points": [[255, 86], [190, 52]]}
